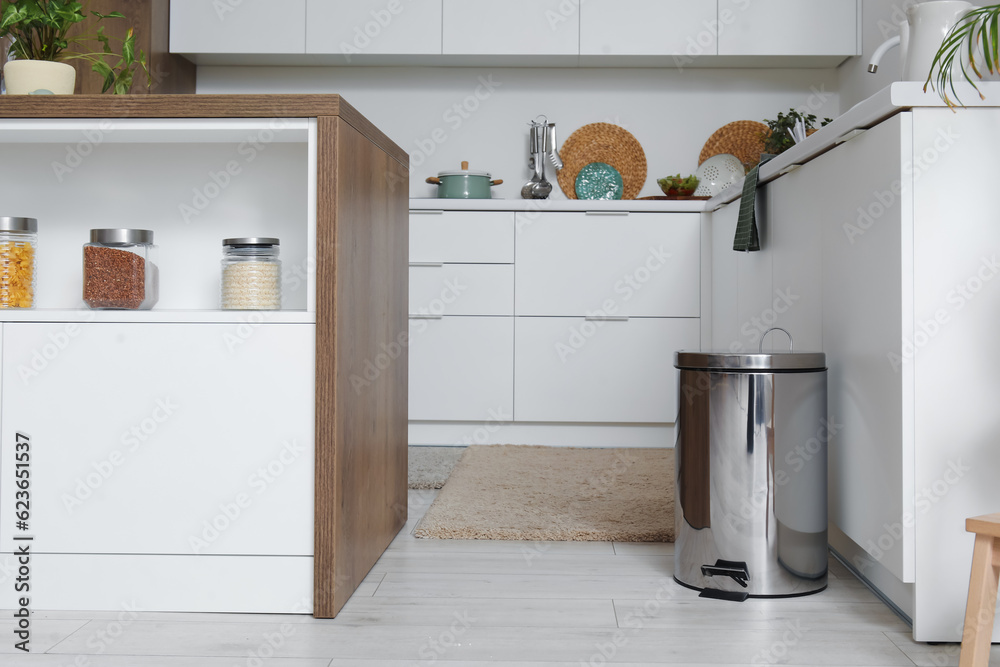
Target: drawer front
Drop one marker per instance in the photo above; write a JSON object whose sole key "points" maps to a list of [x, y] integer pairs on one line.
{"points": [[463, 237], [462, 289], [578, 370], [161, 429], [461, 368], [639, 265]]}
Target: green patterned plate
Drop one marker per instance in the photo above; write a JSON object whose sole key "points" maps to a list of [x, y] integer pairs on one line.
{"points": [[599, 181]]}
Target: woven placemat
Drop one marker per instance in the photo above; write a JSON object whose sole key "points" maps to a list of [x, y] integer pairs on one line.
{"points": [[607, 143], [742, 138]]}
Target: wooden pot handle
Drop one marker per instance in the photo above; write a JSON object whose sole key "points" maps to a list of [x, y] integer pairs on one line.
{"points": [[496, 182], [465, 165], [434, 180]]}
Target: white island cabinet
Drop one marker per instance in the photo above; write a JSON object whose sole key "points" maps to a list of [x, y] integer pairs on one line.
{"points": [[188, 458], [550, 323]]}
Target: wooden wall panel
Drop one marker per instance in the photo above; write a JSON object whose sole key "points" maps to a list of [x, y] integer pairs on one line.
{"points": [[151, 21]]}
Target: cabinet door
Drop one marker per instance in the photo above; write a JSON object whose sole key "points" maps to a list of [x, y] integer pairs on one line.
{"points": [[511, 27], [867, 311], [374, 27], [648, 27], [788, 27], [161, 438], [640, 265], [461, 368], [577, 370], [248, 26]]}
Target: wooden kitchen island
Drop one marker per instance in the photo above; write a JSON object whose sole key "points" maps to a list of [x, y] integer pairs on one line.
{"points": [[188, 458]]}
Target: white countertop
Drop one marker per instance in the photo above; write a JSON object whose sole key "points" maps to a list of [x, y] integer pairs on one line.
{"points": [[889, 101], [587, 205]]}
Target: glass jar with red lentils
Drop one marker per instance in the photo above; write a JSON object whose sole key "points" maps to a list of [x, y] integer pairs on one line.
{"points": [[18, 243], [119, 270]]}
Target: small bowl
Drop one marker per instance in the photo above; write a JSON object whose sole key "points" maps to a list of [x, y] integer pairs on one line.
{"points": [[670, 187]]}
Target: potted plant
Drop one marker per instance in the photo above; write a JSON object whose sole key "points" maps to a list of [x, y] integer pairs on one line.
{"points": [[43, 43], [973, 47], [778, 138]]}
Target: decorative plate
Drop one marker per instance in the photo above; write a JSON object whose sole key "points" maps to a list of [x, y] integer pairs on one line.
{"points": [[598, 180], [607, 143], [742, 138]]}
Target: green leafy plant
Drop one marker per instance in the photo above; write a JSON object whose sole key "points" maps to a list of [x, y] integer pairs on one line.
{"points": [[979, 28], [678, 185], [777, 140], [41, 31]]}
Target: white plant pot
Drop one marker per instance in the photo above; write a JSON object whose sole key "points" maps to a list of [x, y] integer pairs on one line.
{"points": [[39, 77]]}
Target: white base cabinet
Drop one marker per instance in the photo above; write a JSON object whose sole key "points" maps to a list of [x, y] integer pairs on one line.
{"points": [[894, 278], [552, 328]]}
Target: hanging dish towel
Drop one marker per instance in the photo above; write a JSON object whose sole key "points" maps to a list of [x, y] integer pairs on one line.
{"points": [[747, 239]]}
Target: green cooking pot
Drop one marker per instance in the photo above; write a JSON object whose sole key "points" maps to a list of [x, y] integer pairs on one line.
{"points": [[463, 184]]}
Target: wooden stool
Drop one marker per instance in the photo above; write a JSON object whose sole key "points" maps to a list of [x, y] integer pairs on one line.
{"points": [[982, 591]]}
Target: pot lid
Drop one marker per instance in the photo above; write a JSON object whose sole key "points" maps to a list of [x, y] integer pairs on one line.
{"points": [[464, 171], [728, 361]]}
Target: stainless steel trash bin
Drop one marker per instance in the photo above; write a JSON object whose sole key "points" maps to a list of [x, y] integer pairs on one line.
{"points": [[751, 474]]}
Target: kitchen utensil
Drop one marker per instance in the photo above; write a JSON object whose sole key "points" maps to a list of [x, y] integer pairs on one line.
{"points": [[742, 138], [598, 180], [920, 37], [607, 143], [718, 173], [538, 146], [463, 184]]}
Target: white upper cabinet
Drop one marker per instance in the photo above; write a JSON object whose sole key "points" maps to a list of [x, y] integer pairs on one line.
{"points": [[238, 26], [788, 27], [511, 27], [373, 27], [648, 27]]}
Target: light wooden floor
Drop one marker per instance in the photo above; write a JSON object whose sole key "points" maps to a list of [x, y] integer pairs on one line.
{"points": [[557, 604]]}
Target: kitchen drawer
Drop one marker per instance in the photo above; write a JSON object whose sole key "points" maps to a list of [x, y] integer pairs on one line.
{"points": [[578, 370], [461, 368], [463, 237], [462, 289], [640, 264]]}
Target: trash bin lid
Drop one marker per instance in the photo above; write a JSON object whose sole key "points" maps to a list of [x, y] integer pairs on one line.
{"points": [[728, 361]]}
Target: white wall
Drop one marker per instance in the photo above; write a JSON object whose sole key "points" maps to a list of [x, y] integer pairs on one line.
{"points": [[670, 112], [880, 20]]}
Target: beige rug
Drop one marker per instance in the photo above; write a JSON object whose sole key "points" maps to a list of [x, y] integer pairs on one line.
{"points": [[429, 467], [520, 492]]}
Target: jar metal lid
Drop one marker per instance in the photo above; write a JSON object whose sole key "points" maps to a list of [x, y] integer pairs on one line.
{"points": [[121, 236], [29, 225], [251, 241]]}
